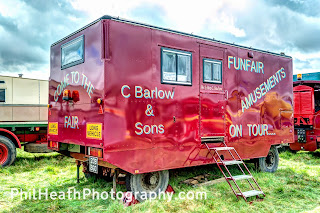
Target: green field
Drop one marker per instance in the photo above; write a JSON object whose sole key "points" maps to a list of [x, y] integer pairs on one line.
{"points": [[295, 187]]}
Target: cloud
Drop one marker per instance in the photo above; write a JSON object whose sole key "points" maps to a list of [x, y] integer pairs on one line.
{"points": [[307, 7], [149, 13], [27, 30], [280, 28], [29, 27]]}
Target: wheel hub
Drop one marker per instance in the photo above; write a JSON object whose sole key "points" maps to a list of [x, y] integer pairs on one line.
{"points": [[3, 154], [150, 181], [270, 160]]}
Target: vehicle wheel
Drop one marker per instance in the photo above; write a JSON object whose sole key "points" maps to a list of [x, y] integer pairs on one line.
{"points": [[271, 162], [7, 151], [128, 179], [143, 186]]}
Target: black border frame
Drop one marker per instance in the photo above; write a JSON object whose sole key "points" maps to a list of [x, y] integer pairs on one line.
{"points": [[74, 63], [210, 82], [176, 82], [2, 102]]}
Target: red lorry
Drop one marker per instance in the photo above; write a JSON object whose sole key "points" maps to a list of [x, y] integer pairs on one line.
{"points": [[306, 89], [23, 117], [127, 97]]}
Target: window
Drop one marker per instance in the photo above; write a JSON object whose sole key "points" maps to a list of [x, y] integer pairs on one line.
{"points": [[72, 53], [2, 95], [176, 67], [212, 71]]}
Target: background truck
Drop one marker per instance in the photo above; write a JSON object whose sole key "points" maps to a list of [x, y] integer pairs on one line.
{"points": [[23, 116], [127, 97], [306, 88]]}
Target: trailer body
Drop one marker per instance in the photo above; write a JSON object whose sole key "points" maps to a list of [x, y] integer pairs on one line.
{"points": [[145, 98], [306, 111], [23, 116]]}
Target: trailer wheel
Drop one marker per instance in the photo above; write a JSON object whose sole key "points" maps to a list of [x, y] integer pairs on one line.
{"points": [[145, 186], [7, 151], [271, 162], [128, 182]]}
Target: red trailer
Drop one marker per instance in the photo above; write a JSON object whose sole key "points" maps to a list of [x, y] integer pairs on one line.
{"points": [[306, 112], [140, 99]]}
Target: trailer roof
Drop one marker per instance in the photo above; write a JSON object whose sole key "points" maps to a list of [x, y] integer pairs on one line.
{"points": [[167, 30], [7, 76]]}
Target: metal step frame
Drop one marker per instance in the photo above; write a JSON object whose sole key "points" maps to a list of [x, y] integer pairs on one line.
{"points": [[256, 190]]}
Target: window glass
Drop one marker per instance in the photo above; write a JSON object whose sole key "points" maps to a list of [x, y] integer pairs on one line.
{"points": [[207, 71], [217, 72], [72, 53], [176, 66], [169, 66], [2, 95], [212, 71], [184, 69]]}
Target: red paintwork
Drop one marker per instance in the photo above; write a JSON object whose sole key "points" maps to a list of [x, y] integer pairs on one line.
{"points": [[3, 153], [118, 54], [129, 199], [37, 138], [305, 115], [303, 104], [11, 134], [170, 189]]}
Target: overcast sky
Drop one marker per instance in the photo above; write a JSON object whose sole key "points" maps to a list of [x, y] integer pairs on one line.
{"points": [[29, 27]]}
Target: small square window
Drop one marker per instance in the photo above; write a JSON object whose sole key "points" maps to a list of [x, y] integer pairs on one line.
{"points": [[2, 95], [176, 67], [72, 53], [212, 71]]}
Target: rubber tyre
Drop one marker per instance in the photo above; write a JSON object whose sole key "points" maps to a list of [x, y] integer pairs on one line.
{"points": [[128, 180], [141, 188], [8, 152], [270, 162]]}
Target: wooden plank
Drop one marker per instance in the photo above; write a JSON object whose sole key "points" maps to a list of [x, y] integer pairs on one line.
{"points": [[211, 182]]}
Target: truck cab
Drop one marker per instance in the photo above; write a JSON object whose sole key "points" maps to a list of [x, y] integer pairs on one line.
{"points": [[306, 89]]}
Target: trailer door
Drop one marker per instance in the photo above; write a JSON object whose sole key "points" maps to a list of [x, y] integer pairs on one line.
{"points": [[212, 95]]}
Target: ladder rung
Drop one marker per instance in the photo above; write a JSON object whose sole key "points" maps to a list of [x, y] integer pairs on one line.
{"points": [[250, 193], [240, 177], [222, 148], [232, 162]]}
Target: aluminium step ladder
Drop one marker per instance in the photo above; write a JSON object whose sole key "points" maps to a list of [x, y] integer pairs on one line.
{"points": [[236, 160]]}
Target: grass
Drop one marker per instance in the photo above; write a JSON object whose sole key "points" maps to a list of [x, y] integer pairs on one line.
{"points": [[295, 187]]}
